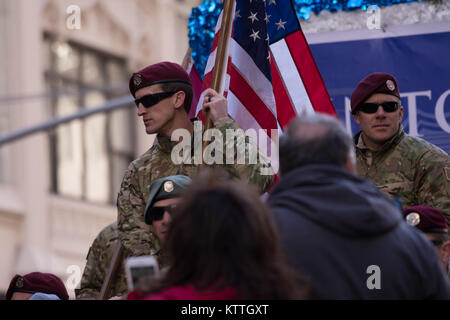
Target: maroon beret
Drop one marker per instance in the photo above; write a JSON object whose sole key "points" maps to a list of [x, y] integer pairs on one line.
{"points": [[37, 282], [377, 82], [427, 219], [162, 72]]}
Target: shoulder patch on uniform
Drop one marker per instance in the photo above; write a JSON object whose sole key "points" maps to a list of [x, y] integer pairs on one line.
{"points": [[447, 173]]}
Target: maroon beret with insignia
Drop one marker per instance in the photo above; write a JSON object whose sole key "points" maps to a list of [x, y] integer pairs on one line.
{"points": [[37, 282], [427, 219], [162, 72], [377, 82]]}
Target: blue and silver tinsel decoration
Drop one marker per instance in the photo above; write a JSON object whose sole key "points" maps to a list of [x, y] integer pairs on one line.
{"points": [[202, 24], [304, 7], [202, 21]]}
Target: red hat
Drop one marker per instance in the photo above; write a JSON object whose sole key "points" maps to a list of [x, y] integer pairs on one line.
{"points": [[376, 82], [162, 72], [37, 282], [427, 219]]}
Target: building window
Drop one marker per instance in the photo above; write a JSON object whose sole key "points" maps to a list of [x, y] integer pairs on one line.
{"points": [[88, 156]]}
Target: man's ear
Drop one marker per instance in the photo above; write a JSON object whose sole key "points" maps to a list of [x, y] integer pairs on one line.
{"points": [[180, 96], [356, 118], [401, 113]]}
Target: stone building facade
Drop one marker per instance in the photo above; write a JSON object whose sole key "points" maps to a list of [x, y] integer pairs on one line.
{"points": [[58, 188]]}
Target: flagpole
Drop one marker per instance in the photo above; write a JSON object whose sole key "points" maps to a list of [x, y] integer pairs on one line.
{"points": [[186, 64], [220, 64]]}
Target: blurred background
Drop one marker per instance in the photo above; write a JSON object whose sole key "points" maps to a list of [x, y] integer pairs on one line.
{"points": [[58, 187]]}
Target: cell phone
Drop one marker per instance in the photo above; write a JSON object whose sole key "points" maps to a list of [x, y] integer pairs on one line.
{"points": [[140, 270]]}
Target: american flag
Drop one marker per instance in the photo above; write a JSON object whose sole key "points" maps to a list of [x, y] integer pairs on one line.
{"points": [[271, 73]]}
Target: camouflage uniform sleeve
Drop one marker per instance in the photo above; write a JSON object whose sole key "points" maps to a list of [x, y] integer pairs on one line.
{"points": [[91, 281], [432, 183], [256, 169], [135, 235]]}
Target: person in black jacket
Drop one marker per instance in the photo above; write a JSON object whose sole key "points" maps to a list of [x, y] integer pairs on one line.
{"points": [[339, 230]]}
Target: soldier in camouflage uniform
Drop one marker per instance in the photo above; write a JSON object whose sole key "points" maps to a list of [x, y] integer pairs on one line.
{"points": [[164, 191], [164, 195], [404, 167], [98, 262], [163, 95]]}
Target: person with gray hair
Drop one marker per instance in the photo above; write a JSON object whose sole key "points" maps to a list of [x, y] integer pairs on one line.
{"points": [[339, 230], [324, 141]]}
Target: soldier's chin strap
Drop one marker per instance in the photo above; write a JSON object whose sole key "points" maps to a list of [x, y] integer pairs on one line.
{"points": [[112, 270]]}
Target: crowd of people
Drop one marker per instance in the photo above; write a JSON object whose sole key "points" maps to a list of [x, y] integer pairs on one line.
{"points": [[350, 218]]}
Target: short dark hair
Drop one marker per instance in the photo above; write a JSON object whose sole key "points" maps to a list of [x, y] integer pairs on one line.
{"points": [[314, 139], [223, 236], [180, 86]]}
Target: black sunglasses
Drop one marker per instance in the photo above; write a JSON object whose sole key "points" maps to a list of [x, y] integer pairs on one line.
{"points": [[388, 106], [437, 243], [152, 99], [157, 213]]}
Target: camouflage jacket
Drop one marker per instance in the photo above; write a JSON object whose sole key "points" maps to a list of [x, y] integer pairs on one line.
{"points": [[156, 163], [408, 168], [98, 261]]}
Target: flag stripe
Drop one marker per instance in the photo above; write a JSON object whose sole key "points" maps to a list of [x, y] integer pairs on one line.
{"points": [[240, 113], [246, 121], [285, 107], [253, 75], [197, 90], [217, 32], [211, 60], [251, 100], [309, 72], [292, 80]]}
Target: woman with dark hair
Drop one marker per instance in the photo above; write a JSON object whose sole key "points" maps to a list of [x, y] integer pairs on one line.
{"points": [[222, 244]]}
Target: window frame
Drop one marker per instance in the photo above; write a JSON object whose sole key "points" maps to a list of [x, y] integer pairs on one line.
{"points": [[53, 80]]}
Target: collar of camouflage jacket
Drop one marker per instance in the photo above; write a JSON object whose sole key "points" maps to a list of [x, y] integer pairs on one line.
{"points": [[166, 144], [359, 142]]}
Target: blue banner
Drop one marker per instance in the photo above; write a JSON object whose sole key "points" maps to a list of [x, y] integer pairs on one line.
{"points": [[421, 64]]}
